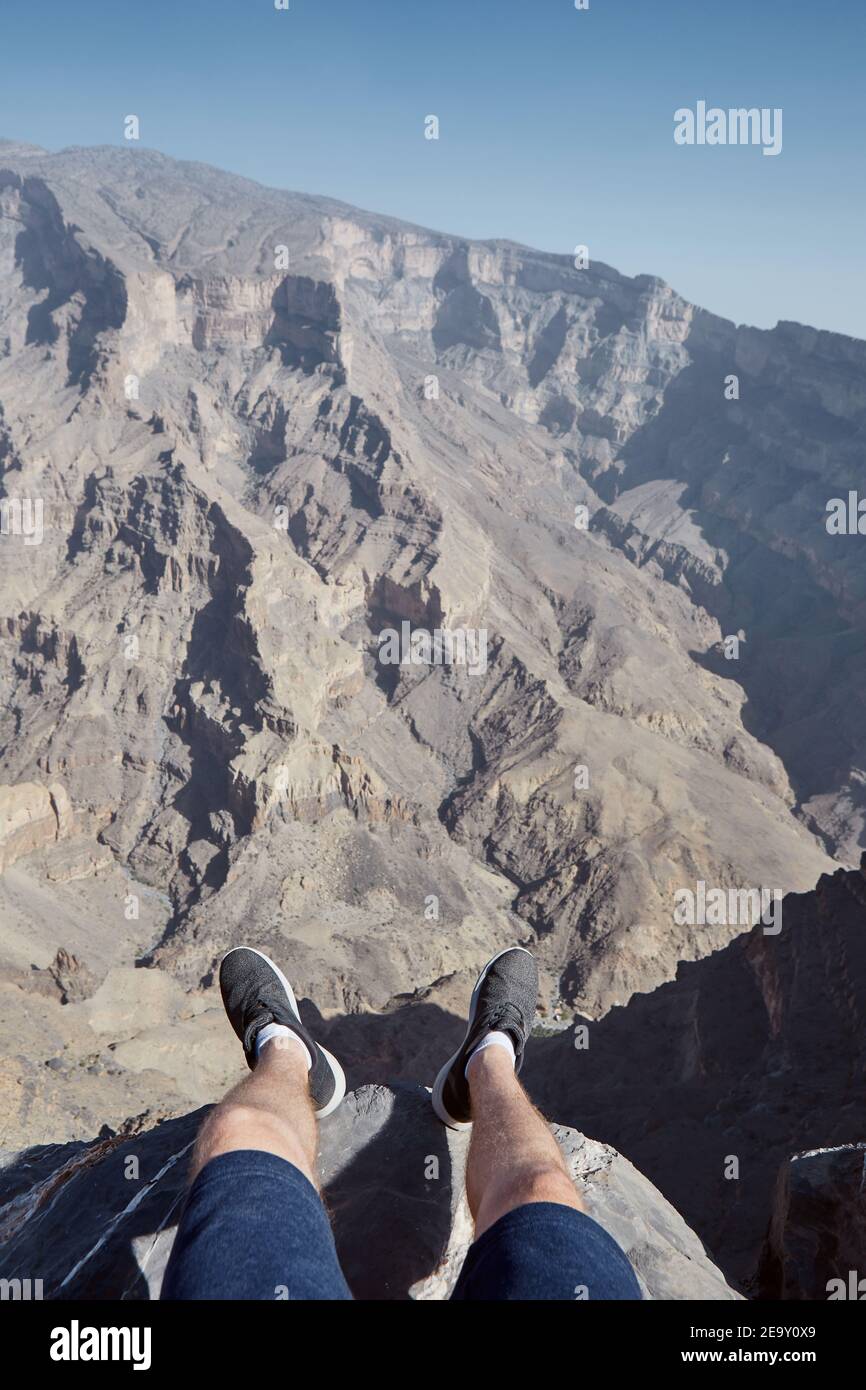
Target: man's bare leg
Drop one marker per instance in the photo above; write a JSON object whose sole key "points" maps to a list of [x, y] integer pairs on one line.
{"points": [[534, 1240], [271, 1109], [253, 1225], [513, 1157]]}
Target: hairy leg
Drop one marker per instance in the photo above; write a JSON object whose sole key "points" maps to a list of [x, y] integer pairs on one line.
{"points": [[270, 1109], [513, 1157]]}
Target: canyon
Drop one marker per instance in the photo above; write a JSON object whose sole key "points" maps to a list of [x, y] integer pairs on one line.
{"points": [[264, 427]]}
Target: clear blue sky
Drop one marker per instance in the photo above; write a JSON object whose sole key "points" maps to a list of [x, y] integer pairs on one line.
{"points": [[556, 125]]}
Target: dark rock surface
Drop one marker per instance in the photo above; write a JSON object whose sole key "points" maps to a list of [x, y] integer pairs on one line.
{"points": [[755, 1054], [816, 1246]]}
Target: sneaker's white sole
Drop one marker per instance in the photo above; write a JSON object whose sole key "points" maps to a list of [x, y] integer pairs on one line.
{"points": [[439, 1083], [337, 1070]]}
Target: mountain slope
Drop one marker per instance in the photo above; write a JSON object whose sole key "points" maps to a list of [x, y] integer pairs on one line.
{"points": [[273, 489]]}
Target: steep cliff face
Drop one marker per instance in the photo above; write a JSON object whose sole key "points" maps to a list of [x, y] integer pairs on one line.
{"points": [[31, 817], [738, 1088], [814, 1247], [245, 433]]}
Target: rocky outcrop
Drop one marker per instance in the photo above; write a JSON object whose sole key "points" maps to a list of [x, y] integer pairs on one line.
{"points": [[67, 979], [817, 1237], [31, 817], [97, 1220], [717, 1082]]}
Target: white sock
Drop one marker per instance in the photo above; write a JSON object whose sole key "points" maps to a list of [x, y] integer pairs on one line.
{"points": [[492, 1040], [284, 1036]]}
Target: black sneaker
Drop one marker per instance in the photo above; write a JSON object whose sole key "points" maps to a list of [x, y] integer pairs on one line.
{"points": [[503, 1001], [256, 992]]}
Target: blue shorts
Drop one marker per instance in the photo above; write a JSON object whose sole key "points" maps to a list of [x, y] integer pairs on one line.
{"points": [[255, 1228]]}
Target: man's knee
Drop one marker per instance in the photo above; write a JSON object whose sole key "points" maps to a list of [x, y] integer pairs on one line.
{"points": [[234, 1125], [548, 1183], [555, 1186]]}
